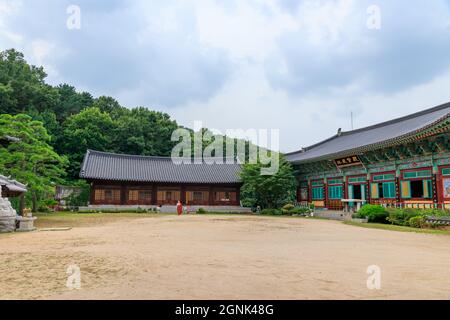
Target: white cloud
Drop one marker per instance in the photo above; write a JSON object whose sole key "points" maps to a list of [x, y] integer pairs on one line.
{"points": [[8, 37], [301, 67], [245, 30]]}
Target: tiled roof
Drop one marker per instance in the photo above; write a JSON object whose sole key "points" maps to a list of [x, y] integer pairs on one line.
{"points": [[12, 185], [373, 137], [120, 167]]}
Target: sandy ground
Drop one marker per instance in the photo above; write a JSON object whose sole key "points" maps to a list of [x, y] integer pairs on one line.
{"points": [[223, 257]]}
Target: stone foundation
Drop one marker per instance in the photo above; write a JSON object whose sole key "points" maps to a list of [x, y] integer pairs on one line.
{"points": [[7, 224], [166, 209]]}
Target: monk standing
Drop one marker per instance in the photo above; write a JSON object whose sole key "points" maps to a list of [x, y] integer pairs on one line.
{"points": [[179, 208]]}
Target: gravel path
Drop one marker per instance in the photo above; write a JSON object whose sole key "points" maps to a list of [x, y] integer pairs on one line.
{"points": [[223, 257]]}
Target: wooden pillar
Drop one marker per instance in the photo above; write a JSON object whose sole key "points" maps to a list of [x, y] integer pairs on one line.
{"points": [[21, 204], [238, 195], [154, 194], [309, 191], [210, 196], [123, 194], [398, 197], [435, 184], [92, 195], [397, 190], [183, 194]]}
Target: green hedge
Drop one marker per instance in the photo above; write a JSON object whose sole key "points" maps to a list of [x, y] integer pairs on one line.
{"points": [[408, 217], [272, 212], [373, 213]]}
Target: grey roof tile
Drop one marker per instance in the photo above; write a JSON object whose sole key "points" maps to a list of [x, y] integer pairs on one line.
{"points": [[376, 135], [120, 167], [12, 185]]}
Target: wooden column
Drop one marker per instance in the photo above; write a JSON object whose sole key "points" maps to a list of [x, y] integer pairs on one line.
{"points": [[154, 194], [21, 204], [123, 194], [211, 196], [238, 195], [92, 196], [309, 191], [183, 194]]}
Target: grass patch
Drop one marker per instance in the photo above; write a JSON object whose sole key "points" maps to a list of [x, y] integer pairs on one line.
{"points": [[391, 227], [75, 219], [223, 213]]}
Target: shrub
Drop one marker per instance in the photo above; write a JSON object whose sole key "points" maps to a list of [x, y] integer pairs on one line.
{"points": [[288, 207], [436, 213], [201, 210], [299, 211], [401, 217], [44, 209], [272, 212], [373, 213], [417, 222]]}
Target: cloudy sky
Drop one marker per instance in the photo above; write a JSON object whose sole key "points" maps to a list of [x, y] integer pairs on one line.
{"points": [[298, 66]]}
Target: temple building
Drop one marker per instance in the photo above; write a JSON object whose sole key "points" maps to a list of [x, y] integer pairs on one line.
{"points": [[130, 180], [402, 162]]}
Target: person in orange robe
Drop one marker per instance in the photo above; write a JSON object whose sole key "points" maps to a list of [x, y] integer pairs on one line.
{"points": [[179, 208]]}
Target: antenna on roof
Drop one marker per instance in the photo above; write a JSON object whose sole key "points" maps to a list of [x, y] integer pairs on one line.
{"points": [[351, 118]]}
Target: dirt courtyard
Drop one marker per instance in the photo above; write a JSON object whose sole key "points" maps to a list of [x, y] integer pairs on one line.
{"points": [[222, 257]]}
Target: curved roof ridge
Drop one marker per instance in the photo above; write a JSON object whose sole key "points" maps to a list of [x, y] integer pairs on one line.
{"points": [[400, 119], [313, 145], [90, 151]]}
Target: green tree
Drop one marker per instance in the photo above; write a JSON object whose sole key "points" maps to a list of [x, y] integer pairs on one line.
{"points": [[22, 86], [71, 102], [31, 160], [90, 129], [268, 191], [144, 132], [111, 106]]}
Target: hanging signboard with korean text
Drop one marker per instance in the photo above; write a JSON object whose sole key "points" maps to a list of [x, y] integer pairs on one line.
{"points": [[348, 161]]}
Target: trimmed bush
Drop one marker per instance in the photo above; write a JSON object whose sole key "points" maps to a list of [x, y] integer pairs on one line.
{"points": [[272, 212], [373, 213], [201, 210], [402, 217], [299, 211], [436, 213], [288, 207], [417, 222]]}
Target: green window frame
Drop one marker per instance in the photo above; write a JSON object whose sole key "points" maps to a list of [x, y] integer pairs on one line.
{"points": [[385, 190], [382, 177], [417, 174], [405, 189], [317, 183], [335, 181], [357, 179], [388, 190], [335, 192], [317, 193]]}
